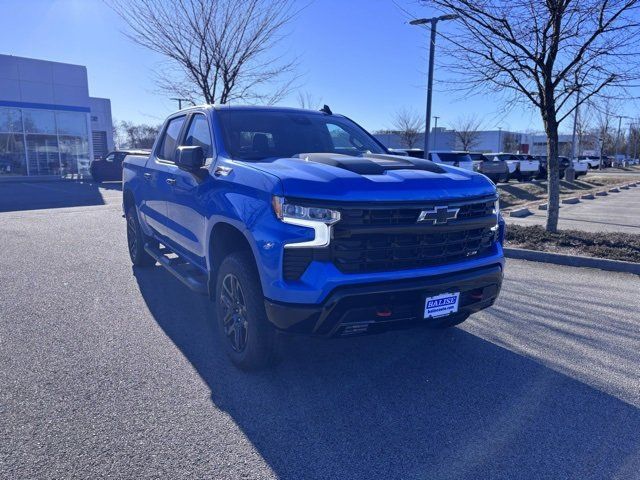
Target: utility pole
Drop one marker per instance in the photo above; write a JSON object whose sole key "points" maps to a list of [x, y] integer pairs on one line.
{"points": [[499, 139], [432, 45], [435, 133]]}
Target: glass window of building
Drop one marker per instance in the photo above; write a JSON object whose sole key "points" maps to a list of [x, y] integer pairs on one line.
{"points": [[74, 143], [42, 142], [12, 157]]}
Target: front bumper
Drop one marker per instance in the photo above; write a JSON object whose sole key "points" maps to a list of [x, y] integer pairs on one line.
{"points": [[388, 305]]}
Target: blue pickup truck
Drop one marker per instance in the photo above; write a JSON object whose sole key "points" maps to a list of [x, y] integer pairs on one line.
{"points": [[297, 221]]}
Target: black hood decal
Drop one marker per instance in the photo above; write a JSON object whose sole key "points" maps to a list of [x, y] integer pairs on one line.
{"points": [[372, 164]]}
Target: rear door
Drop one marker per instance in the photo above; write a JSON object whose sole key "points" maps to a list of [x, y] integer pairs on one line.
{"points": [[159, 176]]}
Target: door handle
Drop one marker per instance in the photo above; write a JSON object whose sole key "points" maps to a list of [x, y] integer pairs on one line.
{"points": [[221, 171], [171, 181], [147, 176]]}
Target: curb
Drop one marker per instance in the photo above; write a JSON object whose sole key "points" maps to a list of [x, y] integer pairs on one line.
{"points": [[615, 190], [588, 196], [601, 194], [571, 201], [520, 213], [572, 260]]}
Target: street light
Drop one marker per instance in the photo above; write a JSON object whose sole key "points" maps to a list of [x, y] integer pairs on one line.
{"points": [[433, 21]]}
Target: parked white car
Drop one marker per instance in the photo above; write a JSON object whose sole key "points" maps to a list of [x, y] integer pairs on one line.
{"points": [[581, 167], [454, 159], [593, 162], [521, 167]]}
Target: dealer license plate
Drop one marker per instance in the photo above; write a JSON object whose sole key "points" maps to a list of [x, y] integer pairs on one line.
{"points": [[441, 305]]}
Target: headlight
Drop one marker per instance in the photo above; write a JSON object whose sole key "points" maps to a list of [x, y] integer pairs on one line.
{"points": [[496, 207], [319, 219]]}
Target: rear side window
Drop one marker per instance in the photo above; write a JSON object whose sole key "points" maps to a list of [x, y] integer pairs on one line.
{"points": [[169, 142], [199, 135]]}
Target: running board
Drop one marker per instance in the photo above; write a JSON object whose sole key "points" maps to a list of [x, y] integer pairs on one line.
{"points": [[191, 276]]}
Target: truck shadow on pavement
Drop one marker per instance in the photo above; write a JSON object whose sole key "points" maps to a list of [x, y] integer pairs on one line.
{"points": [[412, 404]]}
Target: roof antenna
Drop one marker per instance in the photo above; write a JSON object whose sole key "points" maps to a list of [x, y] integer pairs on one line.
{"points": [[326, 110]]}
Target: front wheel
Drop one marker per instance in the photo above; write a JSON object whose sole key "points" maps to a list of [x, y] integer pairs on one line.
{"points": [[247, 335]]}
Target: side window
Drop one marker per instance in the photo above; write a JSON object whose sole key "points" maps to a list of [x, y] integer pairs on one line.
{"points": [[342, 139], [169, 143], [199, 135], [111, 157]]}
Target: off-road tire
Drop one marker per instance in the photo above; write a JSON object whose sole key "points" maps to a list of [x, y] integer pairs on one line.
{"points": [[245, 313], [136, 240]]}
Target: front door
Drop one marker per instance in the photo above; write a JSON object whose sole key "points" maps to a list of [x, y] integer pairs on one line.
{"points": [[187, 205], [160, 178]]}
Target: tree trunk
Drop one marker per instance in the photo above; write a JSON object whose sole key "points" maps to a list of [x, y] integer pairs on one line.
{"points": [[553, 175]]}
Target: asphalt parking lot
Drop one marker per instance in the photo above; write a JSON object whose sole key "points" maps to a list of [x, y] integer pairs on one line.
{"points": [[111, 372]]}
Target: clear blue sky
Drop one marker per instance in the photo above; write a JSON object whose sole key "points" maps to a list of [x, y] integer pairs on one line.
{"points": [[359, 56]]}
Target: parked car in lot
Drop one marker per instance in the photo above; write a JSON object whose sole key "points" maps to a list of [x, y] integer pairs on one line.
{"points": [[496, 170], [563, 164], [581, 167], [521, 167], [302, 222], [454, 159], [109, 168], [592, 162]]}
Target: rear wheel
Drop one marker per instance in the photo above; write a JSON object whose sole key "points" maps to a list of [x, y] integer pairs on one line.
{"points": [[136, 240], [247, 335]]}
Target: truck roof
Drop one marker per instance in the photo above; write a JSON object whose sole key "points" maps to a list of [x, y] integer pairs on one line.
{"points": [[252, 107]]}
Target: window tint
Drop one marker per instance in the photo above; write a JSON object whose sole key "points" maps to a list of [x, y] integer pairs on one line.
{"points": [[199, 135], [169, 143]]}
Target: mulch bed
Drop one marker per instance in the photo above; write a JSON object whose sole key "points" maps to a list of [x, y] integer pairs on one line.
{"points": [[613, 246]]}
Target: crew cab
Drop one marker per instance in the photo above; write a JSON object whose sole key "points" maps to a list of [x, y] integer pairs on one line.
{"points": [[521, 167], [301, 222]]}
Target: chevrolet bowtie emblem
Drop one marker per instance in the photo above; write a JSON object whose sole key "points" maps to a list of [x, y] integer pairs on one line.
{"points": [[439, 215]]}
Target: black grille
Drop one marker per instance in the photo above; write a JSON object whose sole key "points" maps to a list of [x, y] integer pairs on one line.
{"points": [[386, 239]]}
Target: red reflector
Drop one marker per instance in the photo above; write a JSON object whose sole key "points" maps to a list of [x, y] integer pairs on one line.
{"points": [[476, 294], [383, 312]]}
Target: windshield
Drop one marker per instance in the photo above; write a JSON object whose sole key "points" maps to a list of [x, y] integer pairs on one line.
{"points": [[255, 134]]}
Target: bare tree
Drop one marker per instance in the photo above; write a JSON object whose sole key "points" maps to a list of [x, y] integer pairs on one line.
{"points": [[131, 135], [544, 53], [409, 126], [308, 101], [467, 131], [217, 51]]}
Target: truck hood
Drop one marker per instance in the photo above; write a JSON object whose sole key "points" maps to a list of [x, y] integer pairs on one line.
{"points": [[373, 177]]}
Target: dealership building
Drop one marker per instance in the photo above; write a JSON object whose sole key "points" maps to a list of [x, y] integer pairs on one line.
{"points": [[49, 125]]}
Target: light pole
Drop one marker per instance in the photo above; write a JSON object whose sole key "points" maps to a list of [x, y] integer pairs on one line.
{"points": [[575, 124], [435, 133], [180, 100], [433, 21], [499, 139], [618, 136]]}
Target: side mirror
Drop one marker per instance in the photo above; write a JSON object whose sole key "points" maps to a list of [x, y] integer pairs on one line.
{"points": [[190, 159]]}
